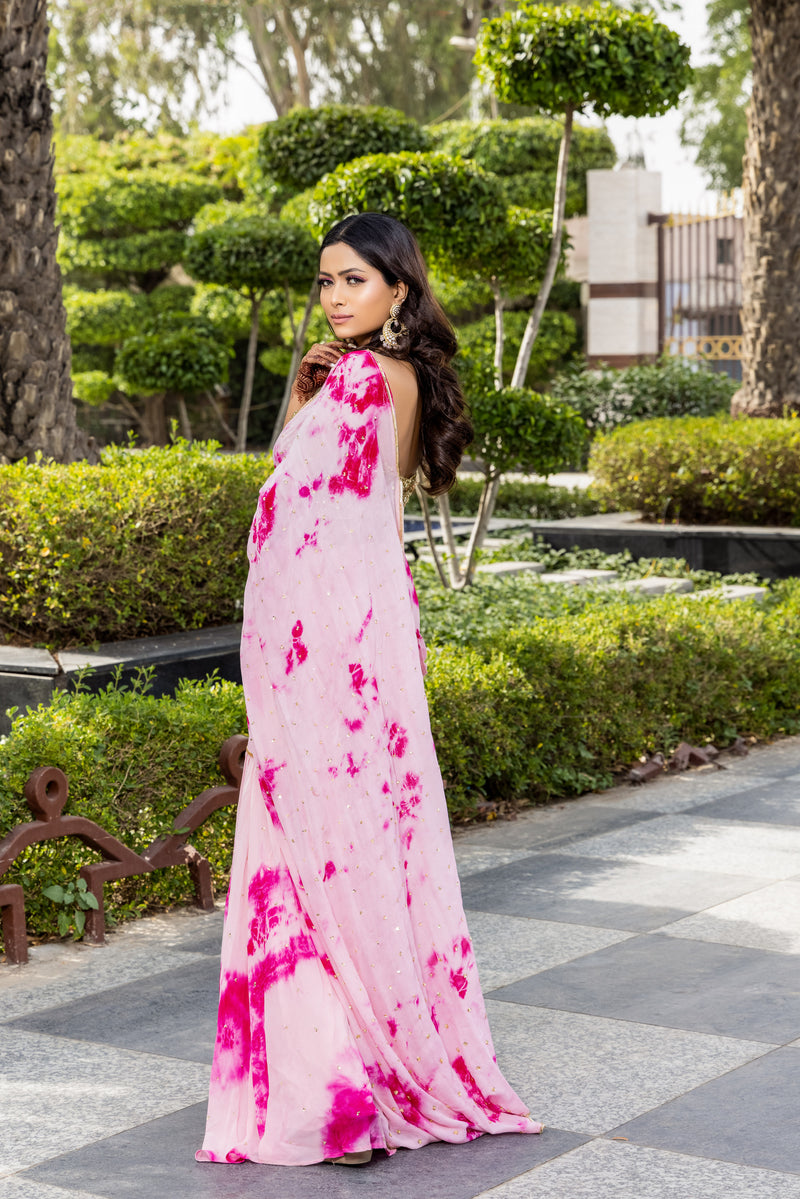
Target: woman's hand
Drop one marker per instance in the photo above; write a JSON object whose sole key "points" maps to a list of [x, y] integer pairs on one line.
{"points": [[314, 370]]}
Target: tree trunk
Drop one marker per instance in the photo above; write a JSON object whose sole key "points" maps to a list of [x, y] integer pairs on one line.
{"points": [[770, 288], [249, 375], [266, 47], [37, 412], [499, 334], [298, 341], [559, 205]]}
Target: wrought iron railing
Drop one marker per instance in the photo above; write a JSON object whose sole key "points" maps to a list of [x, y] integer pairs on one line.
{"points": [[47, 791]]}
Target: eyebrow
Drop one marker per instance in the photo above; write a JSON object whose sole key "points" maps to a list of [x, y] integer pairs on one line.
{"points": [[349, 271]]}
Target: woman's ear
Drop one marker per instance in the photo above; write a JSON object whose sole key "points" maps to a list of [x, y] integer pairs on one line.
{"points": [[400, 291]]}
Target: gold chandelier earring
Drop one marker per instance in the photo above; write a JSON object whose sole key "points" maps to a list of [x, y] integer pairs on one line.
{"points": [[393, 330]]}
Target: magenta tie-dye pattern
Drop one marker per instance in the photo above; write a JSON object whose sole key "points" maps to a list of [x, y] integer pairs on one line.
{"points": [[350, 1015]]}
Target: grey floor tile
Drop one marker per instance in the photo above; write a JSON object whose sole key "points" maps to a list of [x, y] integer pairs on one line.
{"points": [[61, 971], [777, 802], [702, 987], [507, 948], [173, 1013], [167, 1147], [17, 1186], [621, 894], [782, 757], [679, 792], [57, 1095], [588, 1074], [605, 1170], [765, 919], [472, 859], [690, 842], [550, 825], [748, 1116]]}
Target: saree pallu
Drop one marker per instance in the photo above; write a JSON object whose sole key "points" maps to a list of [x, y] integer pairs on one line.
{"points": [[350, 1013]]}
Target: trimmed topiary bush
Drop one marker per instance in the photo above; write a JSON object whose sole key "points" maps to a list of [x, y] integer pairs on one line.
{"points": [[437, 196], [305, 144], [524, 153], [713, 470], [148, 542]]}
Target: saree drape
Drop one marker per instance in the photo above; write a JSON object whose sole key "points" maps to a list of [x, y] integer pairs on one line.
{"points": [[350, 1014]]}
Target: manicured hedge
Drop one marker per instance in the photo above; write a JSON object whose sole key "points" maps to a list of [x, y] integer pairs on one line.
{"points": [[148, 542], [714, 470], [153, 541], [525, 713], [305, 144], [133, 762]]}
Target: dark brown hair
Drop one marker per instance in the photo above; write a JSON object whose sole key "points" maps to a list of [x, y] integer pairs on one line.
{"points": [[429, 344]]}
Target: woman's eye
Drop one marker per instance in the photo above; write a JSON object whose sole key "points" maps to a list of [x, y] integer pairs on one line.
{"points": [[354, 279]]}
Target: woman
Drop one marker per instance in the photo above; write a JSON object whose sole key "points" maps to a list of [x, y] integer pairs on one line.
{"points": [[350, 1016]]}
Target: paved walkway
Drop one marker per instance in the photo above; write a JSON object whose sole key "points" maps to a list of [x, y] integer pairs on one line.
{"points": [[639, 954]]}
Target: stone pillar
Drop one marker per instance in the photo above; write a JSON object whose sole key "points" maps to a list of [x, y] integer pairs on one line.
{"points": [[623, 267]]}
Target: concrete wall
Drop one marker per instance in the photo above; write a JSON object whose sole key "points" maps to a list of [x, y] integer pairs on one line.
{"points": [[622, 318]]}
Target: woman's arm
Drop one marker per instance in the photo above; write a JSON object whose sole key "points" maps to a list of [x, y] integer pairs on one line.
{"points": [[312, 373]]}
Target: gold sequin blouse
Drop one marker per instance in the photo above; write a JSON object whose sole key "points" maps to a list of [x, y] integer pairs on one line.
{"points": [[408, 483]]}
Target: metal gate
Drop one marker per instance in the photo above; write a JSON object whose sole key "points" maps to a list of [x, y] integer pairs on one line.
{"points": [[699, 286]]}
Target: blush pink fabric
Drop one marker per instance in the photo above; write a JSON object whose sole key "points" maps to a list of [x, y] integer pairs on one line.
{"points": [[350, 1015]]}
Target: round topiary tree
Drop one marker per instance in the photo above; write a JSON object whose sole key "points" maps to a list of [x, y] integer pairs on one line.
{"points": [[182, 357], [565, 59], [128, 228], [455, 209], [515, 429], [524, 154], [255, 255], [299, 148]]}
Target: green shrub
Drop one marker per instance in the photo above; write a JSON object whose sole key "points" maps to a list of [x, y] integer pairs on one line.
{"points": [[555, 57], [305, 144], [209, 156], [437, 196], [549, 706], [93, 387], [518, 498], [556, 340], [607, 398], [702, 469], [524, 153], [148, 542], [118, 205], [516, 428], [177, 354], [133, 762]]}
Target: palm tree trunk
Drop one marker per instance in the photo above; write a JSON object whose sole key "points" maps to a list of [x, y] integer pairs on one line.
{"points": [[37, 412], [770, 296]]}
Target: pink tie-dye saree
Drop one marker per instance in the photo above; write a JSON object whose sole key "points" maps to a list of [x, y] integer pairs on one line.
{"points": [[350, 1011]]}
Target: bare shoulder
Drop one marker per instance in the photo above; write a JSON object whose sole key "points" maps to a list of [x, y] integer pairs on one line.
{"points": [[402, 379]]}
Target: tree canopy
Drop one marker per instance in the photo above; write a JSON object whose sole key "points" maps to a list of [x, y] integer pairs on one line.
{"points": [[145, 64], [715, 118]]}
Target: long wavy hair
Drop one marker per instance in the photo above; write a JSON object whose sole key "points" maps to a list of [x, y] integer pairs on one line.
{"points": [[430, 343]]}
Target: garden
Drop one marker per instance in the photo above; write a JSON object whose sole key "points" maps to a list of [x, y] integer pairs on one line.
{"points": [[188, 264]]}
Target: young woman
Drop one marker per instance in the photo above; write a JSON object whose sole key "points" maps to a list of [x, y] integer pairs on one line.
{"points": [[350, 1016]]}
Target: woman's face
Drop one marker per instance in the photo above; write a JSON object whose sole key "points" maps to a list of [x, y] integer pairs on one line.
{"points": [[354, 296]]}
